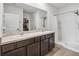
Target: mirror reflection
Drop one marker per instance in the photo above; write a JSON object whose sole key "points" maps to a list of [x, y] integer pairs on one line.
{"points": [[22, 18]]}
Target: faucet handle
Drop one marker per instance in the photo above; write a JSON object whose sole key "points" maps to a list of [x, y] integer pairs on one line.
{"points": [[18, 29]]}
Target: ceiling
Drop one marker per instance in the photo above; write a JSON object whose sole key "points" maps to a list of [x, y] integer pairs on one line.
{"points": [[32, 9], [24, 6], [59, 5]]}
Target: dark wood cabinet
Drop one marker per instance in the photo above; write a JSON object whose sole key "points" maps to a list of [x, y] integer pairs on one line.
{"points": [[44, 47], [37, 39], [51, 43], [35, 46], [8, 47], [33, 49], [43, 37], [17, 52], [24, 42]]}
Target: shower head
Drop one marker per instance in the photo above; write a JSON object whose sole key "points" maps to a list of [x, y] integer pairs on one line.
{"points": [[76, 12]]}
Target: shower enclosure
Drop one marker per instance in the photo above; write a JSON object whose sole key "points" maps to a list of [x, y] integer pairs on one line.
{"points": [[69, 29]]}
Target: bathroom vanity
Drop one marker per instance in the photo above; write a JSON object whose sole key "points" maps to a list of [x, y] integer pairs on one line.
{"points": [[30, 44], [16, 39]]}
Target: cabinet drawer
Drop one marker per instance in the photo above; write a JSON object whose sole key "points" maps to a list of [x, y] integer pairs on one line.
{"points": [[51, 43], [17, 52], [43, 37], [44, 45], [33, 49], [37, 39], [47, 36], [24, 42], [8, 47], [50, 35]]}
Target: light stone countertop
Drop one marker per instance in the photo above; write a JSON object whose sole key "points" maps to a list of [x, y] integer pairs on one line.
{"points": [[15, 38]]}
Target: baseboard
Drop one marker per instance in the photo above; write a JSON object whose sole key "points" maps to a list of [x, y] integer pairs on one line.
{"points": [[67, 47]]}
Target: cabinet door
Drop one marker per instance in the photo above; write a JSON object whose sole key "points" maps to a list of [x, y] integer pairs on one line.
{"points": [[44, 47], [51, 43], [17, 52], [8, 47], [33, 49], [37, 39], [43, 37]]}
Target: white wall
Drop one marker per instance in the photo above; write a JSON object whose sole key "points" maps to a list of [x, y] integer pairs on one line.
{"points": [[1, 18], [17, 11], [38, 20], [71, 7]]}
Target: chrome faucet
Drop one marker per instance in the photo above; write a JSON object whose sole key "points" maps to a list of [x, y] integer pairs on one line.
{"points": [[20, 31]]}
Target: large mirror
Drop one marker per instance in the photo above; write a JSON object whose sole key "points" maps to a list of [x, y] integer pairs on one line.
{"points": [[19, 17]]}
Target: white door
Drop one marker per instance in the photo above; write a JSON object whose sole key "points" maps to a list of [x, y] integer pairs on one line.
{"points": [[11, 22]]}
